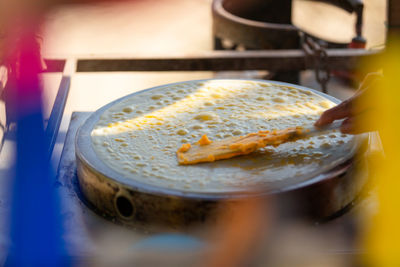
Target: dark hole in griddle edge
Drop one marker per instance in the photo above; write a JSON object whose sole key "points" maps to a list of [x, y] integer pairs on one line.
{"points": [[124, 206]]}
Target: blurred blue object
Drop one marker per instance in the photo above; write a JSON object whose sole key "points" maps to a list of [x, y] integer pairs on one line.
{"points": [[36, 223]]}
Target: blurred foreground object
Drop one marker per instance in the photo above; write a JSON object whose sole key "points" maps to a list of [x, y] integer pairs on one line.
{"points": [[239, 232], [382, 240], [36, 223]]}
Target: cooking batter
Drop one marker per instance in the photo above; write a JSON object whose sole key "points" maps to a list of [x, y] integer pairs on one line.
{"points": [[138, 137]]}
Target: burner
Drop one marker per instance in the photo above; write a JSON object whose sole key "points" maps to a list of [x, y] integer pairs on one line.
{"points": [[261, 24]]}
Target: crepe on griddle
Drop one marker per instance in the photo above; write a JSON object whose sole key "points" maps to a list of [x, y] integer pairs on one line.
{"points": [[138, 136]]}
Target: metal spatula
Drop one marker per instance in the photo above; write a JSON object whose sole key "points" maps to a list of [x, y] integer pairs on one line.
{"points": [[243, 145]]}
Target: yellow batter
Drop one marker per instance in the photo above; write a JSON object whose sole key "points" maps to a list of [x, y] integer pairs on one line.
{"points": [[228, 148]]}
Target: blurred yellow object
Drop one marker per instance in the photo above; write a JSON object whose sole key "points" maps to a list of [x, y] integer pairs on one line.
{"points": [[382, 241]]}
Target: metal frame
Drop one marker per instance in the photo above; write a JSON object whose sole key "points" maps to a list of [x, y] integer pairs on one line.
{"points": [[286, 60], [57, 112], [55, 65]]}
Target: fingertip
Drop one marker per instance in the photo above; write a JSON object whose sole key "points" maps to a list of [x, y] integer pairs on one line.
{"points": [[347, 127], [318, 123], [322, 121], [345, 130]]}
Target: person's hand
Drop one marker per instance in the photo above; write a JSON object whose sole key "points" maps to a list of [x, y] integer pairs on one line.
{"points": [[356, 110]]}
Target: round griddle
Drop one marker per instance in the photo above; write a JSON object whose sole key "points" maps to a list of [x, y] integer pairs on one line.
{"points": [[130, 201]]}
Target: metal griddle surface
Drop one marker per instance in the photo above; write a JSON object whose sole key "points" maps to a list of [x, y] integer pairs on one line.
{"points": [[87, 156]]}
